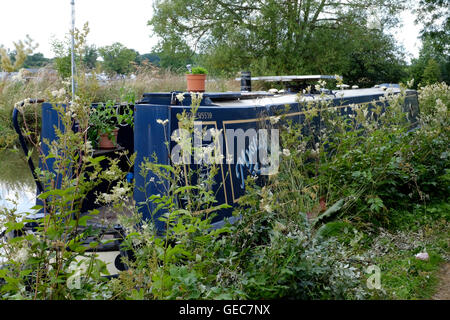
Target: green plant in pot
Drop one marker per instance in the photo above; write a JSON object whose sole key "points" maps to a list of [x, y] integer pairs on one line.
{"points": [[196, 79], [104, 121]]}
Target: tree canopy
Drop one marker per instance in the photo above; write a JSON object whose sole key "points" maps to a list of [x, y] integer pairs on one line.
{"points": [[435, 16], [118, 59], [280, 37], [433, 63], [36, 60]]}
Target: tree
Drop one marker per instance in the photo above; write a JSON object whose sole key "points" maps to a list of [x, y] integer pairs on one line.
{"points": [[85, 56], [12, 63], [435, 53], [266, 36], [64, 66], [90, 56], [152, 57], [432, 72], [436, 62], [36, 60], [435, 16], [117, 59]]}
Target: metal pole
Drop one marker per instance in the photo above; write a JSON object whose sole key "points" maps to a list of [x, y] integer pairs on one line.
{"points": [[72, 2]]}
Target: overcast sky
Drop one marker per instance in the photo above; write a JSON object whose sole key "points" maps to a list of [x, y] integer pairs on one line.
{"points": [[111, 21]]}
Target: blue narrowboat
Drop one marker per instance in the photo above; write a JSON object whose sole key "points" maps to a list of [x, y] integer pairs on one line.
{"points": [[225, 112]]}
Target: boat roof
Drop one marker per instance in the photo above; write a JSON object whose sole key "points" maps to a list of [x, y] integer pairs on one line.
{"points": [[292, 78], [263, 98], [246, 99]]}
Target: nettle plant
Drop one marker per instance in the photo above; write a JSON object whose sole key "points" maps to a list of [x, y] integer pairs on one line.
{"points": [[48, 258]]}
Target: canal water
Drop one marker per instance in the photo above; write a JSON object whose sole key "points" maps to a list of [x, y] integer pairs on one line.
{"points": [[18, 191], [17, 187]]}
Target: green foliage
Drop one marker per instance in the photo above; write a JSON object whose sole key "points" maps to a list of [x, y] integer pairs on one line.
{"points": [[64, 66], [90, 57], [153, 58], [102, 120], [429, 56], [432, 73], [199, 70], [107, 117], [319, 37], [435, 17], [117, 59], [85, 56], [36, 60], [13, 61]]}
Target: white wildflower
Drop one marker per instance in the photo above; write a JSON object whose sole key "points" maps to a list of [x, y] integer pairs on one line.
{"points": [[22, 255], [230, 159], [180, 96], [109, 173], [286, 152], [162, 122], [267, 208], [216, 134], [440, 106], [196, 98], [61, 92], [274, 119]]}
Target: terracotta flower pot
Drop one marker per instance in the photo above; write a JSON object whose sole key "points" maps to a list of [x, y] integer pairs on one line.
{"points": [[196, 82], [105, 143]]}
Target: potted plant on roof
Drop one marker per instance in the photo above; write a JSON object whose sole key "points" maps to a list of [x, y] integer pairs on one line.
{"points": [[196, 79]]}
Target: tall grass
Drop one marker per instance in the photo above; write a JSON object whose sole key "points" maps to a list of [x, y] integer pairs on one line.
{"points": [[14, 90], [147, 79]]}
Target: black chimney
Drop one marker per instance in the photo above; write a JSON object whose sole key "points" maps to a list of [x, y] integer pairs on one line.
{"points": [[246, 81]]}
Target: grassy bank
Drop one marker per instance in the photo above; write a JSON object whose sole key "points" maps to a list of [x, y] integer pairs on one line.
{"points": [[403, 276]]}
